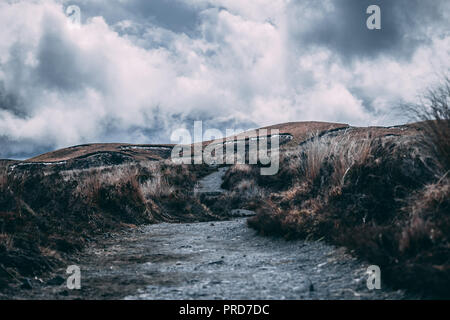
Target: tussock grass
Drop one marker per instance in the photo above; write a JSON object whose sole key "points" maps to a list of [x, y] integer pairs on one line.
{"points": [[157, 187], [6, 241], [434, 110], [384, 193], [377, 196], [428, 217], [341, 152], [336, 154], [3, 177], [249, 190]]}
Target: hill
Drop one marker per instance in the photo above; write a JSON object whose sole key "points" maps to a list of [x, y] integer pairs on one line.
{"points": [[382, 192]]}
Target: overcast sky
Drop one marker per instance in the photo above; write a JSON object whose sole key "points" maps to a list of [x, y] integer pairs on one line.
{"points": [[136, 70]]}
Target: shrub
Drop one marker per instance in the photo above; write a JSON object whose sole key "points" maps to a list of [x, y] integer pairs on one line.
{"points": [[3, 177], [379, 194], [433, 109], [46, 213]]}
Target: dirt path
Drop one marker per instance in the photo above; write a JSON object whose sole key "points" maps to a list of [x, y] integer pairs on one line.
{"points": [[211, 184], [220, 260]]}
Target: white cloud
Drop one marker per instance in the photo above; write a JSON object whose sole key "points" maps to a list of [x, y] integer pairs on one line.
{"points": [[103, 82]]}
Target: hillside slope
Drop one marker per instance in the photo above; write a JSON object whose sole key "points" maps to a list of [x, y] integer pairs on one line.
{"points": [[378, 191]]}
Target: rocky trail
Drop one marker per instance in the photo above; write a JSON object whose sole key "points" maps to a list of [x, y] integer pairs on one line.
{"points": [[211, 260]]}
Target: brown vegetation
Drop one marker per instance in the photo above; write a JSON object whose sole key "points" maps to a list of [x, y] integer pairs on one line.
{"points": [[135, 152], [434, 110], [382, 192], [46, 213], [378, 191]]}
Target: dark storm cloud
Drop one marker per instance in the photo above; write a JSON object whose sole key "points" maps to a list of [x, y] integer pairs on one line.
{"points": [[21, 149], [11, 87], [63, 66], [174, 15], [137, 70], [59, 67], [159, 132], [403, 27], [10, 102]]}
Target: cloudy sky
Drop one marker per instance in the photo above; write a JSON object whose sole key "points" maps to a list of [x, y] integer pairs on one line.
{"points": [[134, 71]]}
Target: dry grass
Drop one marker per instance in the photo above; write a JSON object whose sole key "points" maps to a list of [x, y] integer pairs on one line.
{"points": [[140, 154], [51, 213], [149, 179], [241, 168], [341, 152], [157, 187], [3, 177], [330, 156], [428, 217], [433, 108], [91, 181], [6, 240], [378, 191], [247, 189]]}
